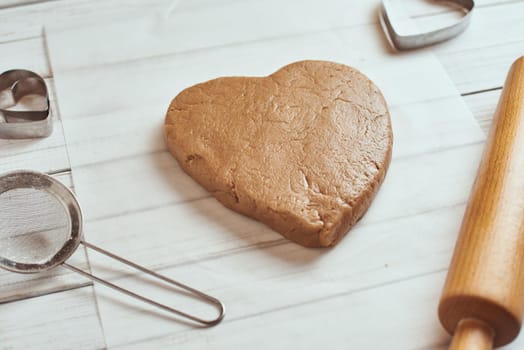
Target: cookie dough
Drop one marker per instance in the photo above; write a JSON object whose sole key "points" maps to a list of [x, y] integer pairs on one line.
{"points": [[304, 150]]}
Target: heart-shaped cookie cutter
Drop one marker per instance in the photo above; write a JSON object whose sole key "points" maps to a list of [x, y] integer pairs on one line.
{"points": [[415, 41], [23, 123]]}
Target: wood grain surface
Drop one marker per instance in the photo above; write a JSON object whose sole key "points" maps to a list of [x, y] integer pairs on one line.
{"points": [[486, 276], [107, 64]]}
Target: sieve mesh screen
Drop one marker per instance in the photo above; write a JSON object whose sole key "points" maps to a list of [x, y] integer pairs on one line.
{"points": [[34, 225]]}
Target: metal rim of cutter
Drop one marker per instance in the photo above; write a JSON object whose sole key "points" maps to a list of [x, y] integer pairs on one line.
{"points": [[30, 123], [415, 41]]}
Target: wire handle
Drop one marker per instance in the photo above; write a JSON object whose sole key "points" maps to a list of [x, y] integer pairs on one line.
{"points": [[201, 295]]}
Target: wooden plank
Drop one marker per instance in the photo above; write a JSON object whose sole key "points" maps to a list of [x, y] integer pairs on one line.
{"points": [[417, 8], [48, 159], [480, 58], [25, 54], [28, 21], [375, 310], [233, 23], [483, 106], [65, 320], [485, 3], [13, 3], [328, 322], [18, 286], [485, 28], [486, 73]]}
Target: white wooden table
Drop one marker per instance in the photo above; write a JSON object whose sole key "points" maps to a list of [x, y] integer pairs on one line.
{"points": [[112, 68]]}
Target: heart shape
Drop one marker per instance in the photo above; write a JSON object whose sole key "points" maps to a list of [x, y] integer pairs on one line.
{"points": [[303, 150], [415, 41], [20, 120]]}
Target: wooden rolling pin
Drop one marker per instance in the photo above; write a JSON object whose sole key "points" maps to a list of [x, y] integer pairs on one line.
{"points": [[483, 299]]}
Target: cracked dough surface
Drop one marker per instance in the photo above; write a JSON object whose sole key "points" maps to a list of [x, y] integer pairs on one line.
{"points": [[303, 150]]}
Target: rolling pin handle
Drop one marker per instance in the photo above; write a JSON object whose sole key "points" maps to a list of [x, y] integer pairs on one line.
{"points": [[472, 334]]}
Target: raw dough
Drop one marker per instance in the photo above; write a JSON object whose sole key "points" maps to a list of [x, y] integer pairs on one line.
{"points": [[303, 150]]}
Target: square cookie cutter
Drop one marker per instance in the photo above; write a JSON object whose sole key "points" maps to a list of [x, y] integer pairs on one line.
{"points": [[23, 123]]}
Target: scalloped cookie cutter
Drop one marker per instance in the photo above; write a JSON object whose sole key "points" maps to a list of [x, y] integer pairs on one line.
{"points": [[23, 122], [414, 41]]}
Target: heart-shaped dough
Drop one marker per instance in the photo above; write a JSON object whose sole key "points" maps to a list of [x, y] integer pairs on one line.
{"points": [[303, 150]]}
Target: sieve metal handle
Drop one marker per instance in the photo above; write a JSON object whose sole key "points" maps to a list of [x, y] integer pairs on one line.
{"points": [[199, 294]]}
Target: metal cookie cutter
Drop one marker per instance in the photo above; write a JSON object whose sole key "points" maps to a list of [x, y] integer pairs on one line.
{"points": [[28, 122], [414, 41]]}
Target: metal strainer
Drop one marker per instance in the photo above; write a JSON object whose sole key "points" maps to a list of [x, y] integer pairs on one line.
{"points": [[41, 227]]}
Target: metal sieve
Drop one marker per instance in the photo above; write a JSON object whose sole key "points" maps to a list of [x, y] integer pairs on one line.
{"points": [[41, 227]]}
